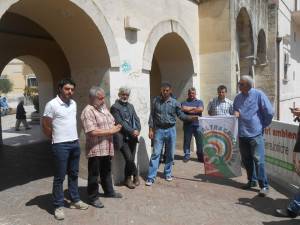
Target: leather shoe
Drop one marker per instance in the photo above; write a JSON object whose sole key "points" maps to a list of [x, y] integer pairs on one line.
{"points": [[136, 180], [97, 204], [285, 213], [113, 195], [129, 183], [249, 185]]}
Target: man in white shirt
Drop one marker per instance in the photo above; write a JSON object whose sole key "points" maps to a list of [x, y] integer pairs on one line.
{"points": [[59, 123]]}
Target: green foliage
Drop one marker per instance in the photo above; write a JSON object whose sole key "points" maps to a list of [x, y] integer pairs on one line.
{"points": [[5, 86], [30, 91]]}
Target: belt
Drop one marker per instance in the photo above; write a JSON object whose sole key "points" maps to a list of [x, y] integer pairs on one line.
{"points": [[165, 126]]}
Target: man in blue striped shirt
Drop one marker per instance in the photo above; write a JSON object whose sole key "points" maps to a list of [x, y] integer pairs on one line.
{"points": [[254, 112]]}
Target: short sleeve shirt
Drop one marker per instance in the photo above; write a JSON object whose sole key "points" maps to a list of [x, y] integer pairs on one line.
{"points": [[93, 119], [63, 115], [193, 103]]}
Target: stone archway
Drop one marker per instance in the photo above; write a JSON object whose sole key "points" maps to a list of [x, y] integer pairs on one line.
{"points": [[92, 10], [245, 44], [160, 30], [71, 36], [261, 48], [174, 65]]}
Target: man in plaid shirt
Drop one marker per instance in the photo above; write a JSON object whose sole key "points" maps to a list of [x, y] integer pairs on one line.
{"points": [[220, 105], [99, 127]]}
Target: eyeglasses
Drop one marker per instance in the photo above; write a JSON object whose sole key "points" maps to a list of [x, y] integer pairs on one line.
{"points": [[241, 84]]}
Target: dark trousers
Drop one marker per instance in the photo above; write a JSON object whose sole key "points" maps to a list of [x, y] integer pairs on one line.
{"points": [[128, 150], [66, 161], [99, 165]]}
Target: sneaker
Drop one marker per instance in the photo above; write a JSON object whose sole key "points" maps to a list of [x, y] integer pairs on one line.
{"points": [[186, 159], [149, 182], [169, 179], [263, 192], [28, 128], [285, 213], [79, 205], [59, 213], [249, 185], [17, 130]]}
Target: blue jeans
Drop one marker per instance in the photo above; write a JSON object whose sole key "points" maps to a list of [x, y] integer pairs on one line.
{"points": [[294, 206], [253, 157], [66, 161], [161, 137], [189, 131]]}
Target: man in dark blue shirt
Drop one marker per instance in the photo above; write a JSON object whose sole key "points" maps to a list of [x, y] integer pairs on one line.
{"points": [[162, 129], [255, 113], [192, 106]]}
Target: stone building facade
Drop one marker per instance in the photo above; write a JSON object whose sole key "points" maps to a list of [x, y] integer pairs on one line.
{"points": [[200, 43]]}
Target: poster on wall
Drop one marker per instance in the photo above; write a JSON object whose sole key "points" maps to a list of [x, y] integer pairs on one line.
{"points": [[282, 156], [220, 147]]}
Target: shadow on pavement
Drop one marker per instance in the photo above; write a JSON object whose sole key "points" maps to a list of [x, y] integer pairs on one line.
{"points": [[23, 164], [220, 181], [283, 222], [44, 202]]}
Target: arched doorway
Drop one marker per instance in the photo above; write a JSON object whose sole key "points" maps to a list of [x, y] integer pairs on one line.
{"points": [[31, 82], [175, 65], [245, 46], [66, 36]]}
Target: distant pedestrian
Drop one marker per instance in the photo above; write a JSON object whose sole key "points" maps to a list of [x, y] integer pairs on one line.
{"points": [[4, 106], [220, 105], [255, 113], [60, 124], [21, 116]]}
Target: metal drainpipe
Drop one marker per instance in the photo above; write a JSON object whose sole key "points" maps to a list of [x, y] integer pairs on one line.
{"points": [[278, 40]]}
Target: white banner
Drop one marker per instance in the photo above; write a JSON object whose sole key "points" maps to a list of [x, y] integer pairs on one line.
{"points": [[220, 148], [281, 161]]}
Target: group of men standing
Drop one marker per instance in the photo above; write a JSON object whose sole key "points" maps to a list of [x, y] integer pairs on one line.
{"points": [[120, 127]]}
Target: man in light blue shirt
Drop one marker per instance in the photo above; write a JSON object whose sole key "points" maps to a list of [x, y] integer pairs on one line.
{"points": [[255, 112]]}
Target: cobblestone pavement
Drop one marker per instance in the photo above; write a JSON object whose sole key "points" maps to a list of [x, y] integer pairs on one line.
{"points": [[191, 198]]}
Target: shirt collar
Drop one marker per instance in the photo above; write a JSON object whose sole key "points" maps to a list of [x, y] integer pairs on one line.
{"points": [[251, 90], [169, 99], [61, 102]]}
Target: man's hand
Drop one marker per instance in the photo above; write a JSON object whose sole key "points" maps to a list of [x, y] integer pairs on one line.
{"points": [[115, 129], [187, 108], [296, 112], [236, 113], [47, 126], [194, 118], [151, 133], [135, 133]]}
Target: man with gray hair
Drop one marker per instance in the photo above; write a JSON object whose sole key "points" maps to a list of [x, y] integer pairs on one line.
{"points": [[99, 127], [254, 112], [127, 139]]}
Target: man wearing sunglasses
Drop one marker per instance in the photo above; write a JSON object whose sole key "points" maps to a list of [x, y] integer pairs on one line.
{"points": [[254, 112]]}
